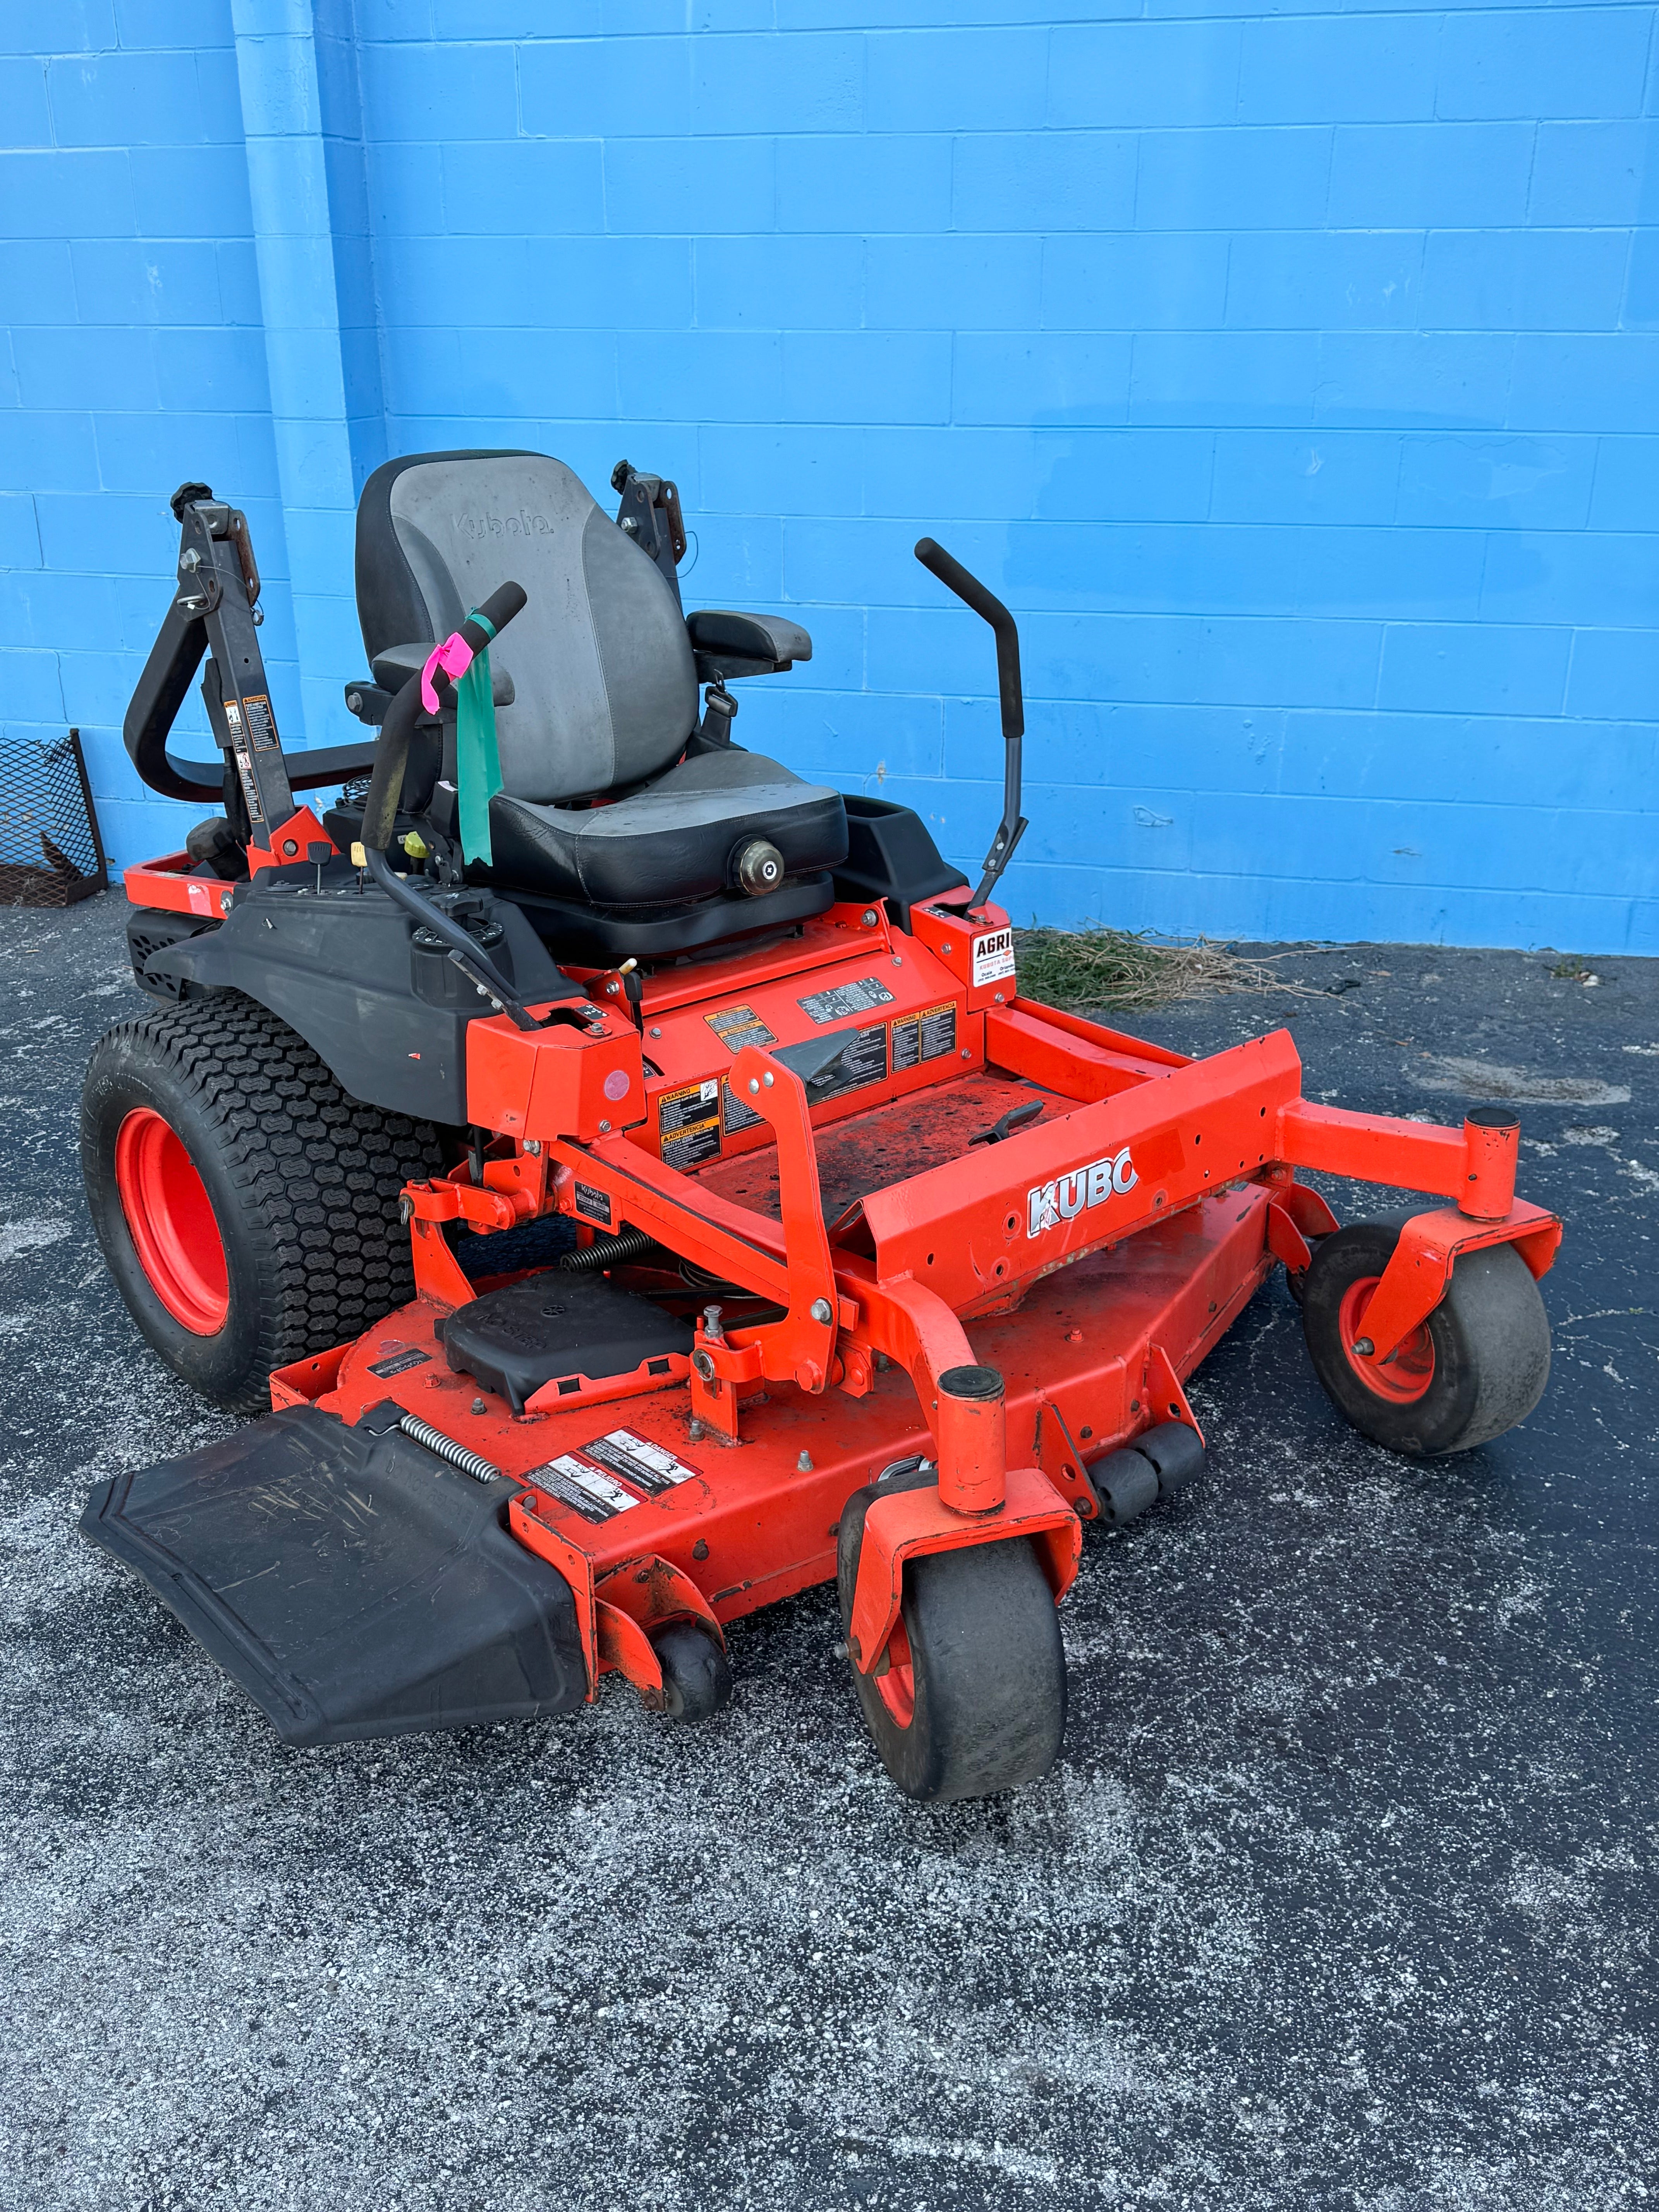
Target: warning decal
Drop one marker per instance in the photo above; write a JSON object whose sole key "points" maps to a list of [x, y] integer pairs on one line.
{"points": [[739, 1114], [261, 724], [645, 1464], [593, 1495], [689, 1124], [929, 1035], [250, 788], [859, 998], [864, 1060], [736, 1026]]}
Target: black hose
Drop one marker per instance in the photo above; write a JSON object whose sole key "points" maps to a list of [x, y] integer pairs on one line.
{"points": [[386, 782], [465, 951]]}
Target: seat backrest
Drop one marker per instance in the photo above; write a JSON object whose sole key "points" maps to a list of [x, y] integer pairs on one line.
{"points": [[605, 691]]}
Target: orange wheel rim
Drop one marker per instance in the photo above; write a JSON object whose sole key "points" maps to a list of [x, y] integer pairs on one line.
{"points": [[1407, 1374], [170, 1219]]}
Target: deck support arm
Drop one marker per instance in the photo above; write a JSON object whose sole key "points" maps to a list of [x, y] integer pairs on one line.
{"points": [[1475, 1166]]}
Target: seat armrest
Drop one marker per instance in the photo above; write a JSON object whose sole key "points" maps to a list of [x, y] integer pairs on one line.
{"points": [[725, 644], [319, 768], [396, 663]]}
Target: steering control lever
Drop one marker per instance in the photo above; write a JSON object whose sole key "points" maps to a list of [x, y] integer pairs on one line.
{"points": [[386, 788], [969, 590]]}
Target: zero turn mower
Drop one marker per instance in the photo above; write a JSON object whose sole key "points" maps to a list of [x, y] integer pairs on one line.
{"points": [[632, 1179]]}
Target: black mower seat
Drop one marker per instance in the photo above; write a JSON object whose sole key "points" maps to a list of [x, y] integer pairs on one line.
{"points": [[596, 683], [677, 838]]}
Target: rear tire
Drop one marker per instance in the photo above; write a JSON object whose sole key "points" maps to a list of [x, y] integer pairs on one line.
{"points": [[974, 1699], [1473, 1369], [246, 1207]]}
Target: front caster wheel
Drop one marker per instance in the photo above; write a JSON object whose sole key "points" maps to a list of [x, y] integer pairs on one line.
{"points": [[696, 1681], [1473, 1369], [972, 1697]]}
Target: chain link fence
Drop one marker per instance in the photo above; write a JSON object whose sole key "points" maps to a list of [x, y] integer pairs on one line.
{"points": [[50, 853]]}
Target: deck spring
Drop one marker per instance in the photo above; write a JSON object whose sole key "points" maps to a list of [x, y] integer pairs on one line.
{"points": [[470, 1462], [610, 1252]]}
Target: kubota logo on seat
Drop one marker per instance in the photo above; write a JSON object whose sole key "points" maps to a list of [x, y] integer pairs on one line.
{"points": [[1050, 1203], [524, 524]]}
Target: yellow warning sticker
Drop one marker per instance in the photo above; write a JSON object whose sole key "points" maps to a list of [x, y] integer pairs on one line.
{"points": [[929, 1035], [736, 1026], [689, 1124]]}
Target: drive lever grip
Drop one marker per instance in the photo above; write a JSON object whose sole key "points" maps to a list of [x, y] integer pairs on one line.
{"points": [[986, 605], [498, 610], [391, 752]]}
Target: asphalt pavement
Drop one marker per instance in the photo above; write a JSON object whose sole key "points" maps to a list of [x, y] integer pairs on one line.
{"points": [[1341, 1896]]}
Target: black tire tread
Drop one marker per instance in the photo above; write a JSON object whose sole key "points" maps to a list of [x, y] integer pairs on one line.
{"points": [[1497, 1294], [315, 1175], [697, 1674]]}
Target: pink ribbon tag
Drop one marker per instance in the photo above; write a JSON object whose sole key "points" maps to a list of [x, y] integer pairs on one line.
{"points": [[454, 657]]}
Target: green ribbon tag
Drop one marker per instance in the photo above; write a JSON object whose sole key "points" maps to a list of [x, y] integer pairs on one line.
{"points": [[477, 756]]}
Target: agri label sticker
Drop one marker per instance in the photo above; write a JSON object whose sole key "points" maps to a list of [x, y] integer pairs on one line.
{"points": [[993, 956]]}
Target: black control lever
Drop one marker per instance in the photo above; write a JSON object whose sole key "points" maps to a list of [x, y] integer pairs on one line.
{"points": [[386, 788], [1015, 1118], [385, 784], [969, 590]]}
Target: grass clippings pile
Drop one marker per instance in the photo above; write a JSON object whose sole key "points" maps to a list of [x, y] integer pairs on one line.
{"points": [[1078, 968]]}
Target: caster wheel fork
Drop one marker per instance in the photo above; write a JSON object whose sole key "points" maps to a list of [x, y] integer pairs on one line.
{"points": [[971, 1695]]}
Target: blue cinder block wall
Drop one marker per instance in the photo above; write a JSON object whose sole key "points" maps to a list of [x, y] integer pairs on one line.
{"points": [[1295, 376]]}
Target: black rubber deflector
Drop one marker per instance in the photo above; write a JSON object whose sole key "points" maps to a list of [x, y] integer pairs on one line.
{"points": [[353, 1585]]}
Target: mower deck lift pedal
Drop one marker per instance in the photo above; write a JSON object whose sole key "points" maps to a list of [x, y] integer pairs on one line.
{"points": [[352, 1583]]}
